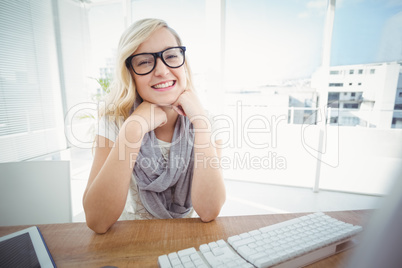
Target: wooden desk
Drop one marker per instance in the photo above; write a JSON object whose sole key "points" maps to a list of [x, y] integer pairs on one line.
{"points": [[139, 243]]}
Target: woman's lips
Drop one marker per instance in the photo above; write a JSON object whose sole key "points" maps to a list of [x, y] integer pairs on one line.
{"points": [[164, 86]]}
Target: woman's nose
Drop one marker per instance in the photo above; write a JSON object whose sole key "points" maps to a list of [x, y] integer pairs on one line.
{"points": [[160, 68]]}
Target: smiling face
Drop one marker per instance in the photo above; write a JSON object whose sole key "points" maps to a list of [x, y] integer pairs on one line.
{"points": [[163, 85]]}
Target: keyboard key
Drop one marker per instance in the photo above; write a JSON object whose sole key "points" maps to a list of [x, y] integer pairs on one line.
{"points": [[236, 244], [245, 251], [173, 255], [186, 252], [217, 251], [204, 248], [254, 257], [189, 265], [213, 245], [163, 261], [265, 261], [233, 238], [221, 243], [255, 232], [244, 235], [175, 262], [209, 256]]}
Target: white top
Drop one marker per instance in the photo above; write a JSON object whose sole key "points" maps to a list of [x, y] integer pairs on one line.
{"points": [[134, 209]]}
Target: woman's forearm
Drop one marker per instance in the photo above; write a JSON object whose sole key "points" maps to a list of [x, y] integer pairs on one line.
{"points": [[208, 189], [105, 197]]}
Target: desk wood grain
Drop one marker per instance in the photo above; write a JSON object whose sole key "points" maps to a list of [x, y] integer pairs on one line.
{"points": [[139, 243]]}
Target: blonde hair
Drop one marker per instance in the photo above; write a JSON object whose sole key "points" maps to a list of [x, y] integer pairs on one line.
{"points": [[123, 91]]}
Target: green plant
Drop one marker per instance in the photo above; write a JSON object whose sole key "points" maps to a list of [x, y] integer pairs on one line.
{"points": [[105, 86]]}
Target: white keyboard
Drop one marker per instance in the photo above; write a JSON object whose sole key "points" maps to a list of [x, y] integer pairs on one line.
{"points": [[293, 243]]}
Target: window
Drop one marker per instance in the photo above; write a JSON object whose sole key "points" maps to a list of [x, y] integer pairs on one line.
{"points": [[104, 20], [353, 94], [398, 106], [367, 37], [351, 71], [333, 99], [359, 84], [270, 33], [31, 116], [283, 41], [400, 94], [351, 105], [333, 96], [333, 120], [350, 84]]}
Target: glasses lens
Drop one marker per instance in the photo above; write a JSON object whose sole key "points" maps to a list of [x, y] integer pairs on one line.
{"points": [[173, 57], [143, 63]]}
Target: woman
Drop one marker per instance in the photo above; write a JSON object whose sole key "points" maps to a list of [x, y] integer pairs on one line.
{"points": [[154, 157]]}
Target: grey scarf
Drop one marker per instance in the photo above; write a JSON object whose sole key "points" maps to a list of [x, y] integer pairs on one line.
{"points": [[165, 185]]}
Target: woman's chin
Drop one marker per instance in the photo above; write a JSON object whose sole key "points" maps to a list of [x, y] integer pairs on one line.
{"points": [[169, 101], [164, 105]]}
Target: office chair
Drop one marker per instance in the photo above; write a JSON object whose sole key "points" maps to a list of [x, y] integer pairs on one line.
{"points": [[36, 192]]}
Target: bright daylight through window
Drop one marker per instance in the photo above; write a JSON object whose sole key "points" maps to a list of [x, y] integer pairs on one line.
{"points": [[307, 93]]}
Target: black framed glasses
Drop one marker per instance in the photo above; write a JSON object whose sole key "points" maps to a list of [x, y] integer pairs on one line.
{"points": [[144, 63]]}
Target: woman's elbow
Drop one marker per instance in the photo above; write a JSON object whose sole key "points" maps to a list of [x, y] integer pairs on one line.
{"points": [[97, 226], [209, 214], [96, 222], [208, 218], [98, 230]]}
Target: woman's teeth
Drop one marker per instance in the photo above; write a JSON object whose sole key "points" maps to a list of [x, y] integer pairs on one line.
{"points": [[163, 85]]}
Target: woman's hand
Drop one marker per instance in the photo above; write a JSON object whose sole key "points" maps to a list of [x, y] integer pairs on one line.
{"points": [[150, 116], [188, 104]]}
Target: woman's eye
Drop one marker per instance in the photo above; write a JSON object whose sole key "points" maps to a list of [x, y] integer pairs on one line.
{"points": [[171, 56], [144, 62]]}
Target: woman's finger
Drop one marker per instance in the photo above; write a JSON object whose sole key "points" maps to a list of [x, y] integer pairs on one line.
{"points": [[178, 109]]}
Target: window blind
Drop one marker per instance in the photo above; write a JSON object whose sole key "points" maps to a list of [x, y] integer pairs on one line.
{"points": [[31, 117]]}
